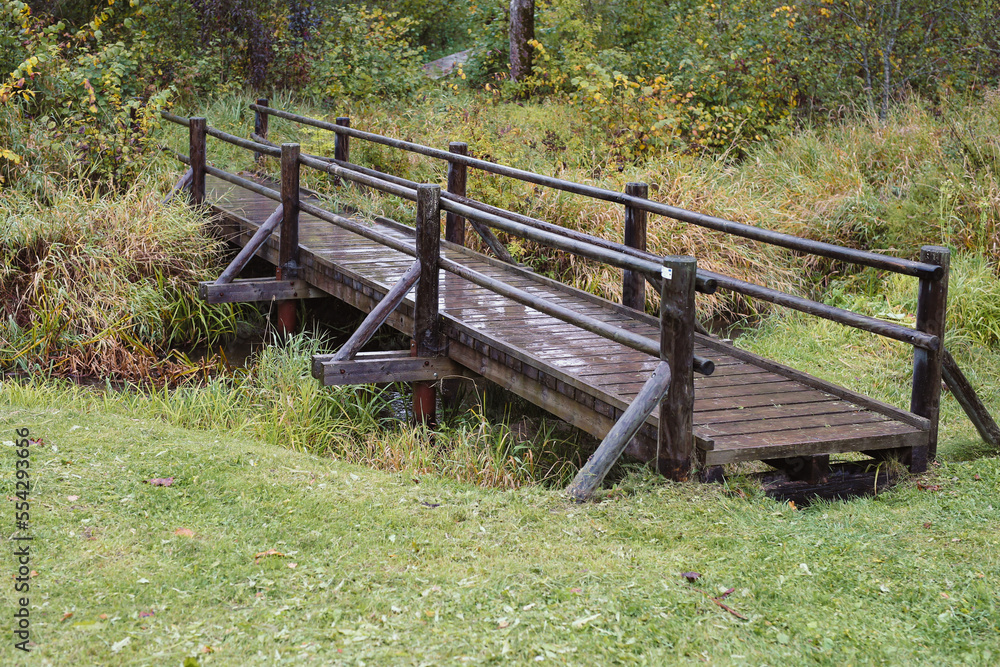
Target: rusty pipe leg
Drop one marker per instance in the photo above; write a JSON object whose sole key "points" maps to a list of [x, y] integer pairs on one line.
{"points": [[424, 403], [286, 317]]}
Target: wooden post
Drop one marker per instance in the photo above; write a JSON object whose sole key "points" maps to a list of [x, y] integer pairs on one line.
{"points": [[197, 152], [342, 146], [260, 129], [288, 246], [925, 397], [426, 323], [675, 444], [633, 282], [457, 175]]}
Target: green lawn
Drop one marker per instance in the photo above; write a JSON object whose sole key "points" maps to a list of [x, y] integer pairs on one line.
{"points": [[381, 568]]}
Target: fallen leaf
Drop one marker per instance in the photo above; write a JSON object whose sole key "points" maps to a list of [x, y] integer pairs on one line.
{"points": [[576, 590], [791, 503], [184, 532], [976, 477], [927, 524], [265, 554], [293, 565], [160, 481], [68, 614], [33, 573], [691, 576], [945, 596], [72, 499], [207, 649], [118, 646], [928, 487], [503, 624], [146, 614], [103, 617]]}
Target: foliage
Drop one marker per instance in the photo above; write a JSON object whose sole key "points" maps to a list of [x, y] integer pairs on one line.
{"points": [[365, 53], [76, 105]]}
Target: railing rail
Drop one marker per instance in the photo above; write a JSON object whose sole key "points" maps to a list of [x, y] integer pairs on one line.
{"points": [[810, 246]]}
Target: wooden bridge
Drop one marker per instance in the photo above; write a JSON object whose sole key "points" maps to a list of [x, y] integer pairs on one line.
{"points": [[661, 389]]}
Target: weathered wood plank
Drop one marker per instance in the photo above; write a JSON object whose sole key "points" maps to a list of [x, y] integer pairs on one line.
{"points": [[253, 289], [408, 369]]}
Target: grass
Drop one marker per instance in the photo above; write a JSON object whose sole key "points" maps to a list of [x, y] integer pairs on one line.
{"points": [[104, 286], [403, 568]]}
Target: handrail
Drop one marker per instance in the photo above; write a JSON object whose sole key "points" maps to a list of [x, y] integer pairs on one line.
{"points": [[851, 255], [709, 278], [583, 249], [617, 254]]}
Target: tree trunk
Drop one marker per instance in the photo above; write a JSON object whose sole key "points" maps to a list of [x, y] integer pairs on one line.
{"points": [[522, 30]]}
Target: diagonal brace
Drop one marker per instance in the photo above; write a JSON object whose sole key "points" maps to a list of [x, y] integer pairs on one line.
{"points": [[379, 313], [614, 443], [248, 251]]}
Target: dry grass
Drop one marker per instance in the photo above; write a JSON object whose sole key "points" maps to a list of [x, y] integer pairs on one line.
{"points": [[103, 287]]}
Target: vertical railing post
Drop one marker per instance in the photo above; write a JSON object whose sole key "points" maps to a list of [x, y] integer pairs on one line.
{"points": [[288, 245], [260, 129], [426, 323], [675, 444], [454, 226], [633, 282], [925, 396], [342, 146], [196, 150]]}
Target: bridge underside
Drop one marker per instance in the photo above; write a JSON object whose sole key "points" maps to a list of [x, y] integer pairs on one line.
{"points": [[750, 409]]}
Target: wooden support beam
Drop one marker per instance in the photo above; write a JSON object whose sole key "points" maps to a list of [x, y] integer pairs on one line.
{"points": [[614, 443], [427, 321], [256, 289], [457, 182], [965, 394], [288, 249], [260, 130], [675, 444], [342, 146], [196, 151], [379, 313], [932, 299], [812, 469], [251, 248], [633, 282], [396, 369]]}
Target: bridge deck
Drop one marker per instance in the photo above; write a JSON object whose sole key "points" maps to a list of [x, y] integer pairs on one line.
{"points": [[751, 408]]}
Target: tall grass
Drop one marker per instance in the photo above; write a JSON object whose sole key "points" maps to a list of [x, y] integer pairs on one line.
{"points": [[103, 286]]}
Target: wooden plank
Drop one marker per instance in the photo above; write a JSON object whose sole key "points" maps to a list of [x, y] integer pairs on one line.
{"points": [[250, 290], [821, 385], [771, 412], [741, 402], [817, 434], [912, 438], [408, 369], [765, 427]]}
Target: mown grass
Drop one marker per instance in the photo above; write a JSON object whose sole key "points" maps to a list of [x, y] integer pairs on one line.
{"points": [[403, 568]]}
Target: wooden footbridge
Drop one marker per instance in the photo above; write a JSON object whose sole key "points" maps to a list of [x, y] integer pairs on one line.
{"points": [[661, 389]]}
